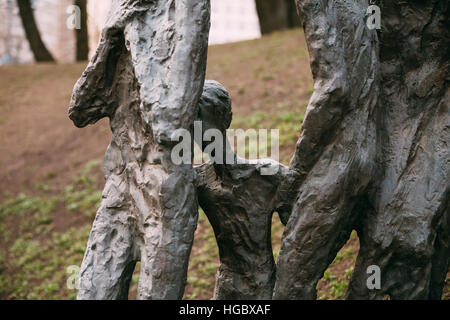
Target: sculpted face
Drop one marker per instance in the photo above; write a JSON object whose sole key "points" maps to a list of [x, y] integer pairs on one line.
{"points": [[214, 110]]}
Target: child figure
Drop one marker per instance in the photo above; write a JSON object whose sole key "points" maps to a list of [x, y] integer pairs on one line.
{"points": [[239, 201]]}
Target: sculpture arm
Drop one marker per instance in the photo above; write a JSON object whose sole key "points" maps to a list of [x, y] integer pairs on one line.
{"points": [[284, 179], [170, 66], [164, 39], [93, 96]]}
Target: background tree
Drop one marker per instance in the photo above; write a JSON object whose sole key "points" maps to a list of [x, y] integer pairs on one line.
{"points": [[293, 18], [40, 51], [82, 36], [277, 15]]}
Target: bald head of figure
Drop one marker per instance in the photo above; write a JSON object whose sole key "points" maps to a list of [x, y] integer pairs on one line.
{"points": [[215, 107]]}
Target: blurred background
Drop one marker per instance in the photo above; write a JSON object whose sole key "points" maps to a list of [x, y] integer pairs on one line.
{"points": [[47, 37], [51, 173]]}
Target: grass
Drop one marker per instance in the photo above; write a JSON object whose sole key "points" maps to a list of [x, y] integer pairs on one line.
{"points": [[35, 257], [333, 285], [38, 269]]}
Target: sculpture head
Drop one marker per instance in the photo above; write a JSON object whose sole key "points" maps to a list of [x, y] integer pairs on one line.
{"points": [[214, 109]]}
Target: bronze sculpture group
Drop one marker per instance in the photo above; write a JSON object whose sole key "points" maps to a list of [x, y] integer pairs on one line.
{"points": [[372, 157]]}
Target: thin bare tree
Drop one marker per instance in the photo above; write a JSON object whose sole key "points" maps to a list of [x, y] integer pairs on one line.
{"points": [[277, 15], [81, 33], [40, 51]]}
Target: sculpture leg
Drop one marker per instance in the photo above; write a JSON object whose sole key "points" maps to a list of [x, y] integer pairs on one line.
{"points": [[169, 213], [321, 223], [402, 276], [409, 243], [441, 257], [407, 232], [109, 260], [336, 151]]}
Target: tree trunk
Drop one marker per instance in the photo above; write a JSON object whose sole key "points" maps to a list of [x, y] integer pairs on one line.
{"points": [[40, 52], [81, 34], [373, 153], [293, 17], [276, 15]]}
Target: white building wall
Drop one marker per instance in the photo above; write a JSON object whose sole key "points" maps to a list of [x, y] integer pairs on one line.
{"points": [[51, 17], [97, 13], [233, 20], [13, 48]]}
